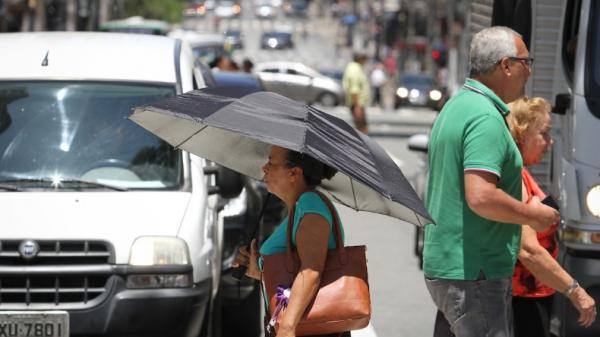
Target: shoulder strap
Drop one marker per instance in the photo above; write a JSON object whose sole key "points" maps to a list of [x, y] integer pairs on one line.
{"points": [[339, 245]]}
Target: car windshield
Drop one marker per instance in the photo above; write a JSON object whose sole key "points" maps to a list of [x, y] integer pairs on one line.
{"points": [[421, 81], [80, 132]]}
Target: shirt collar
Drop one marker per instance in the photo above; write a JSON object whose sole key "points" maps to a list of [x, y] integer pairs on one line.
{"points": [[503, 108]]}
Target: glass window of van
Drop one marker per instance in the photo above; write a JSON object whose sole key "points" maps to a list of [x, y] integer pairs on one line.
{"points": [[80, 132]]}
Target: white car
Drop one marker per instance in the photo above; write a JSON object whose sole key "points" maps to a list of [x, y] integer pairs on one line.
{"points": [[300, 82], [106, 229]]}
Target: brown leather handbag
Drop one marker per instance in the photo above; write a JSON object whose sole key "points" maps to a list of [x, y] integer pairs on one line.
{"points": [[342, 302]]}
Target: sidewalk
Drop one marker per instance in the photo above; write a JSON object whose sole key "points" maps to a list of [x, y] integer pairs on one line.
{"points": [[396, 123]]}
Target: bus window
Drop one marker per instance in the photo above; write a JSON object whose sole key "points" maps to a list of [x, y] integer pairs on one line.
{"points": [[592, 71], [571, 31], [515, 14]]}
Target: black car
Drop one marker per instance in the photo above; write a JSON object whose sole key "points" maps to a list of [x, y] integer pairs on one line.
{"points": [[418, 90], [240, 217], [296, 8], [276, 40]]}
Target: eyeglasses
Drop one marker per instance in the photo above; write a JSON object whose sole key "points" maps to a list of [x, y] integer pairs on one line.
{"points": [[528, 61]]}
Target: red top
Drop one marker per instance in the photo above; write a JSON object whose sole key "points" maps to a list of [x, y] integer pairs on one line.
{"points": [[524, 283]]}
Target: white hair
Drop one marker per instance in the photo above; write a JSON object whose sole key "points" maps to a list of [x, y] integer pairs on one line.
{"points": [[489, 46]]}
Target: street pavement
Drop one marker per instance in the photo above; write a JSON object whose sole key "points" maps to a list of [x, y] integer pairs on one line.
{"points": [[403, 122]]}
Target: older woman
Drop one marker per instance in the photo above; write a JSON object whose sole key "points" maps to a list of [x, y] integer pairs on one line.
{"points": [[293, 177], [537, 273]]}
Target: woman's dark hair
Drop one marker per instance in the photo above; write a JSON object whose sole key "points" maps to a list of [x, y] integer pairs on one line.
{"points": [[313, 170]]}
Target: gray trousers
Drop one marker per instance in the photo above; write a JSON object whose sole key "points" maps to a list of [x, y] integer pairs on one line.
{"points": [[481, 308]]}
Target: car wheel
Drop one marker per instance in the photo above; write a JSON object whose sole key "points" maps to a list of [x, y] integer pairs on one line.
{"points": [[328, 99]]}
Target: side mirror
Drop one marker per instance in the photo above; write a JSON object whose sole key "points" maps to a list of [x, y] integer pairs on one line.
{"points": [[562, 103], [418, 142], [229, 183]]}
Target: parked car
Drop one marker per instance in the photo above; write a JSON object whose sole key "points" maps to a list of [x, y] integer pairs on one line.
{"points": [[419, 90], [276, 40], [297, 8], [107, 229], [228, 9], [299, 82], [234, 38]]}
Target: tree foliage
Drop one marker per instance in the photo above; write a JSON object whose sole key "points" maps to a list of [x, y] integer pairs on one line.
{"points": [[166, 10]]}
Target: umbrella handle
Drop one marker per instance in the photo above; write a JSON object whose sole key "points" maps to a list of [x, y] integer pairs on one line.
{"points": [[239, 272]]}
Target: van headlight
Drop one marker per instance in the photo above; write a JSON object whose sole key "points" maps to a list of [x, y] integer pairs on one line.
{"points": [[592, 200], [158, 250]]}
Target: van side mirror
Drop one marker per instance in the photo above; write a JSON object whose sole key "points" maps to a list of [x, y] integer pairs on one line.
{"points": [[229, 184], [562, 103], [418, 142]]}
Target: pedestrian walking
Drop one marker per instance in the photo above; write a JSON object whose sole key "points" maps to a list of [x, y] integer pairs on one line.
{"points": [[378, 79], [537, 274], [356, 87], [474, 192], [293, 177]]}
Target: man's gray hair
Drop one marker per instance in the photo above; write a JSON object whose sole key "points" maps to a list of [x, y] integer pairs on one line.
{"points": [[489, 46]]}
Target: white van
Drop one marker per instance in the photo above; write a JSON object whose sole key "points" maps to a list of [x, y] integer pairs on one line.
{"points": [[104, 228]]}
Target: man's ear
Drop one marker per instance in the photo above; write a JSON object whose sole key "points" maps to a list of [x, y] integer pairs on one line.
{"points": [[505, 66]]}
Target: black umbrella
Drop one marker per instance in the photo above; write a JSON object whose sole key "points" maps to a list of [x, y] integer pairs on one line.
{"points": [[238, 133]]}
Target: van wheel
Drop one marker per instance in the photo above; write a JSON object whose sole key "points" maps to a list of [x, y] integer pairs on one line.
{"points": [[328, 99], [247, 315]]}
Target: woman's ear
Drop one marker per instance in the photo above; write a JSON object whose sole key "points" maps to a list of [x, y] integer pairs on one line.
{"points": [[295, 173]]}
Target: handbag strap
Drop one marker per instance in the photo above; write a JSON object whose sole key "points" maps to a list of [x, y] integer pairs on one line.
{"points": [[339, 245]]}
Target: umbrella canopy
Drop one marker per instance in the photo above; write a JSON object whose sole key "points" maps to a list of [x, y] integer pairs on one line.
{"points": [[238, 133]]}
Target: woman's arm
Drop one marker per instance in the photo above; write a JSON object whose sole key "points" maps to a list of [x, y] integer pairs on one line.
{"points": [[546, 269], [311, 242]]}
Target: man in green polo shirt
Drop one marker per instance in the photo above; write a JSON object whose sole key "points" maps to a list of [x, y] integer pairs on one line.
{"points": [[474, 192]]}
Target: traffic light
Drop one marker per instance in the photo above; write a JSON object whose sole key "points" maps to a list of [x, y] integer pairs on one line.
{"points": [[439, 56]]}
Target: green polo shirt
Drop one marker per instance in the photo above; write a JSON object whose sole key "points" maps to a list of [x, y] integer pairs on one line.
{"points": [[470, 134]]}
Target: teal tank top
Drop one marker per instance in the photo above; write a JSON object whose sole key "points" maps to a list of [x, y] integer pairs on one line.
{"points": [[309, 202]]}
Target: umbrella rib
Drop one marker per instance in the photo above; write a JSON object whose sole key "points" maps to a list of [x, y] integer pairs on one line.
{"points": [[190, 137], [353, 194]]}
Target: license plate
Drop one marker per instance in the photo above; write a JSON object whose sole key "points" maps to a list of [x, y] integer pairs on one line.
{"points": [[34, 324]]}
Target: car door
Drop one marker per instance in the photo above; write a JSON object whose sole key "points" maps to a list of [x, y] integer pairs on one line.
{"points": [[297, 85]]}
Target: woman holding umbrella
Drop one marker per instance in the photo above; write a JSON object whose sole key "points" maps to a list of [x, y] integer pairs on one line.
{"points": [[293, 177]]}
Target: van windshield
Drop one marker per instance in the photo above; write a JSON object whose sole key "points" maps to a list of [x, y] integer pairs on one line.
{"points": [[593, 68], [80, 132]]}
